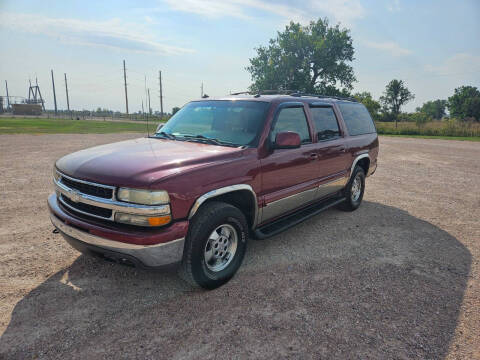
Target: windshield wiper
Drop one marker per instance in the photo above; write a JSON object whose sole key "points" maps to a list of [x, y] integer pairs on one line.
{"points": [[204, 139], [166, 135]]}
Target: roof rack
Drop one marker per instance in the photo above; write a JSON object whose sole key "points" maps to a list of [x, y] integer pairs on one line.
{"points": [[241, 93], [293, 93], [266, 92], [276, 92], [299, 94]]}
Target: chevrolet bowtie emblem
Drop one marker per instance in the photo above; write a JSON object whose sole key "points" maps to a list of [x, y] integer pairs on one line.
{"points": [[74, 195]]}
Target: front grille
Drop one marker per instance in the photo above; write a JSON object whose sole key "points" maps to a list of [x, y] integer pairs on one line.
{"points": [[89, 189], [86, 208]]}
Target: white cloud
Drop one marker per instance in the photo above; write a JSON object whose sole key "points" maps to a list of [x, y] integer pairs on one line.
{"points": [[112, 33], [458, 64], [388, 46], [149, 19], [393, 6], [209, 8], [344, 11]]}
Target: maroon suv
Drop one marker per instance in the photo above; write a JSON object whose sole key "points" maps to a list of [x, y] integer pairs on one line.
{"points": [[218, 172]]}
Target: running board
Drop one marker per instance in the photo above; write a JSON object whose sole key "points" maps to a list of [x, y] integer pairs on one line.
{"points": [[296, 218]]}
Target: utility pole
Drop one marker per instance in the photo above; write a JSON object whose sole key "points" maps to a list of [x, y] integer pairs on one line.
{"points": [[125, 82], [149, 106], [54, 95], [8, 99], [201, 90], [161, 94], [66, 91]]}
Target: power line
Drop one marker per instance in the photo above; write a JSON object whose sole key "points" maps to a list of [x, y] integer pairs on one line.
{"points": [[8, 99], [54, 95], [66, 91], [125, 83], [149, 106], [161, 94]]}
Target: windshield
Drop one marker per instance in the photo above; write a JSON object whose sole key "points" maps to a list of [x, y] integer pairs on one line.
{"points": [[222, 122]]}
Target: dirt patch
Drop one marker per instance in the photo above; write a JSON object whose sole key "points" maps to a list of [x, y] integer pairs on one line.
{"points": [[398, 278]]}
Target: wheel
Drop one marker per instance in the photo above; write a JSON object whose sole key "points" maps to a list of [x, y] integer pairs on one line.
{"points": [[215, 245], [354, 190]]}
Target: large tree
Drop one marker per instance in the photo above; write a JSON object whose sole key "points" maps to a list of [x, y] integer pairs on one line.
{"points": [[434, 108], [465, 103], [370, 103], [396, 95], [312, 58]]}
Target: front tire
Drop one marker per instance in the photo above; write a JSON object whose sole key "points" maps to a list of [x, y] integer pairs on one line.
{"points": [[354, 190], [215, 245]]}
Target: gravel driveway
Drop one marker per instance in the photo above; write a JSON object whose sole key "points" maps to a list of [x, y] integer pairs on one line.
{"points": [[398, 278]]}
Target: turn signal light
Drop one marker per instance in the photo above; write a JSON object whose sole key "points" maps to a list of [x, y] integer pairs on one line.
{"points": [[160, 220]]}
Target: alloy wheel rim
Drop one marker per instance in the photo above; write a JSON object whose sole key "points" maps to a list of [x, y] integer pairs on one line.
{"points": [[221, 247], [356, 188]]}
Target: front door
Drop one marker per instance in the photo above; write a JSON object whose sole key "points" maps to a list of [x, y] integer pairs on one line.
{"points": [[289, 176]]}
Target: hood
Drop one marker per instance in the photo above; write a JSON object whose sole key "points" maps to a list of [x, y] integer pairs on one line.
{"points": [[139, 162]]}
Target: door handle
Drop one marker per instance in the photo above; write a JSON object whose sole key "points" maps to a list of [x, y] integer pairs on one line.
{"points": [[342, 149], [313, 156]]}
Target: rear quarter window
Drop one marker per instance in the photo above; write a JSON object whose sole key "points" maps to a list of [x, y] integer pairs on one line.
{"points": [[357, 119]]}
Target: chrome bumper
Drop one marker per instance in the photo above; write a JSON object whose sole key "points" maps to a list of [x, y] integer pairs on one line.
{"points": [[148, 255]]}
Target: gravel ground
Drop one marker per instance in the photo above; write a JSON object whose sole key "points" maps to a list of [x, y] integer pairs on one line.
{"points": [[398, 278]]}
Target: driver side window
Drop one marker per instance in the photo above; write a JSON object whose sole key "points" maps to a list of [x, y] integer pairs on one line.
{"points": [[292, 119]]}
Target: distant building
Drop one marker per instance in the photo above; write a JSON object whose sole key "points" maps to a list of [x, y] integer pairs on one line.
{"points": [[27, 109]]}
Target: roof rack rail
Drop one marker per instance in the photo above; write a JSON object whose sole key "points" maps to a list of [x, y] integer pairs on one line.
{"points": [[276, 92], [241, 93], [298, 94]]}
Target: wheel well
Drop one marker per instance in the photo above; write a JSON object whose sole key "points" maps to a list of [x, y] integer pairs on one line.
{"points": [[241, 199], [364, 164]]}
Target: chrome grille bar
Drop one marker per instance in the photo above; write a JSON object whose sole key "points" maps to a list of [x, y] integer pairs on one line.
{"points": [[78, 197]]}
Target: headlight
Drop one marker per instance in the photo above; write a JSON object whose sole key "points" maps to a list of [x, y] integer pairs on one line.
{"points": [[142, 220], [144, 197]]}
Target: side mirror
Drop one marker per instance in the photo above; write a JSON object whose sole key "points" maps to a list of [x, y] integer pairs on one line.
{"points": [[287, 140]]}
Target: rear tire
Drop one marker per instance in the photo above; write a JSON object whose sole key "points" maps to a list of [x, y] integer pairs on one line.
{"points": [[354, 190], [215, 245]]}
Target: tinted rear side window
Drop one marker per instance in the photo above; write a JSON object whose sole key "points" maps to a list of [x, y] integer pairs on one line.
{"points": [[326, 124], [357, 118]]}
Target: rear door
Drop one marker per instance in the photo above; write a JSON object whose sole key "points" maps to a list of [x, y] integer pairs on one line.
{"points": [[289, 176], [333, 159]]}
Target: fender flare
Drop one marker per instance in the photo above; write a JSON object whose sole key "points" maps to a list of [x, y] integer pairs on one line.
{"points": [[357, 159], [225, 190]]}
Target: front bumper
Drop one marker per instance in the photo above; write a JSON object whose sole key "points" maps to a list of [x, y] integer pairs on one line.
{"points": [[83, 236]]}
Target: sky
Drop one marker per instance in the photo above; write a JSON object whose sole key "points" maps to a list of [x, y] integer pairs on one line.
{"points": [[434, 46]]}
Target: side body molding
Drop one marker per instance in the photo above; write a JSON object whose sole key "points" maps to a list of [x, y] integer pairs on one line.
{"points": [[225, 190], [359, 157]]}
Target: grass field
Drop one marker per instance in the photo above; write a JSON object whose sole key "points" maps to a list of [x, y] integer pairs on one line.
{"points": [[434, 130], [66, 126], [452, 130], [461, 138]]}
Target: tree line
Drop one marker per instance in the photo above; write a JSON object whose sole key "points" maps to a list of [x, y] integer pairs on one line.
{"points": [[464, 104], [316, 59]]}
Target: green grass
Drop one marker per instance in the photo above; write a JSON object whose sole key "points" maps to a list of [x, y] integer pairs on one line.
{"points": [[461, 138], [67, 126], [446, 129]]}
